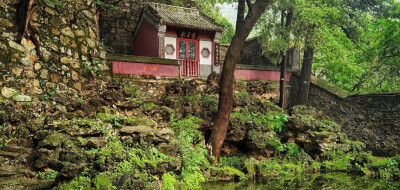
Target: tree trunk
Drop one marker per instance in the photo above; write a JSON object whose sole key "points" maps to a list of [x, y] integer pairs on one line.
{"points": [[282, 84], [240, 15], [306, 75], [24, 16], [227, 77]]}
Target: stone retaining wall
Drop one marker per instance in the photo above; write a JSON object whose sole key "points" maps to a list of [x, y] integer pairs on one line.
{"points": [[60, 49], [373, 119]]}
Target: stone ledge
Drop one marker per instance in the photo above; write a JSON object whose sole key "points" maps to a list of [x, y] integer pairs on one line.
{"points": [[329, 87], [259, 67], [326, 86], [140, 59]]}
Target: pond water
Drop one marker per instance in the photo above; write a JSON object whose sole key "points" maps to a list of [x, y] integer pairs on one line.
{"points": [[340, 181]]}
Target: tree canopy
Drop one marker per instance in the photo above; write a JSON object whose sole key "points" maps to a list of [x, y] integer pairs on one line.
{"points": [[355, 42]]}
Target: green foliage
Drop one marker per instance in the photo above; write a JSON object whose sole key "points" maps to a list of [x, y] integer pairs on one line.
{"points": [[355, 42], [242, 95], [210, 102], [209, 8], [82, 182], [170, 181], [241, 83], [48, 174], [134, 89], [194, 153], [148, 105], [4, 137], [271, 121], [264, 139], [196, 158], [103, 181], [91, 66], [117, 159], [233, 161], [45, 96], [386, 168], [347, 157]]}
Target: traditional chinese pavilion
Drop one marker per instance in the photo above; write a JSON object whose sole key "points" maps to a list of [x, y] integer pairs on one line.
{"points": [[181, 33], [171, 41]]}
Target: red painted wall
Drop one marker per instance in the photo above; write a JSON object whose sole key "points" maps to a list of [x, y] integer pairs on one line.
{"points": [[146, 42], [259, 75], [146, 69]]}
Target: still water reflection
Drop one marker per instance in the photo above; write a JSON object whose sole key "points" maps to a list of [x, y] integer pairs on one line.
{"points": [[314, 181]]}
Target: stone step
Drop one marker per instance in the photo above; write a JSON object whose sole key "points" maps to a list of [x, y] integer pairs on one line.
{"points": [[7, 171], [9, 154], [18, 149], [21, 183]]}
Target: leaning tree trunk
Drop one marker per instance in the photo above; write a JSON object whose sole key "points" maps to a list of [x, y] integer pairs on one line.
{"points": [[306, 75], [227, 77]]}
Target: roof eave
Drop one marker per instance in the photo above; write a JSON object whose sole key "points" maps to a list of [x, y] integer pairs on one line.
{"points": [[193, 27]]}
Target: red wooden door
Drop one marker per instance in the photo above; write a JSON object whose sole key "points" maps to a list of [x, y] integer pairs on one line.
{"points": [[188, 55]]}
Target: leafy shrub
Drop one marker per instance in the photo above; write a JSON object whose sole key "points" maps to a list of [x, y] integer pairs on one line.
{"points": [[48, 174], [134, 89], [271, 121], [386, 168], [169, 181]]}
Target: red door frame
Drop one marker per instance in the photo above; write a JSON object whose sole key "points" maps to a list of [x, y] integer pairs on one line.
{"points": [[196, 41], [187, 47]]}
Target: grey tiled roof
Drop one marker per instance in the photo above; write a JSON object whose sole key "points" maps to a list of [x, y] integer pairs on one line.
{"points": [[184, 17]]}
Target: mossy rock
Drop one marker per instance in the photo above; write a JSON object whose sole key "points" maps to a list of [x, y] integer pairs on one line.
{"points": [[103, 181], [53, 140]]}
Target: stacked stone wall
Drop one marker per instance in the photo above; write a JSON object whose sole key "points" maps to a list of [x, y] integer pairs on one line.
{"points": [[373, 119], [57, 51]]}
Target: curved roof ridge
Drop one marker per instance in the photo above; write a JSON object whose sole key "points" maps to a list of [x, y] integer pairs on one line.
{"points": [[183, 17]]}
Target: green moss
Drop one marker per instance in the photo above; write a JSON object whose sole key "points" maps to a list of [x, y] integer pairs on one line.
{"points": [[250, 166], [226, 173], [329, 87], [103, 181], [119, 120], [79, 183]]}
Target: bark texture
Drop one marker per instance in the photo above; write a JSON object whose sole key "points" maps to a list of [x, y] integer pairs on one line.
{"points": [[282, 86], [227, 77], [306, 75]]}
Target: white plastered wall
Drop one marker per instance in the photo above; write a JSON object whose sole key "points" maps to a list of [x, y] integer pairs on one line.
{"points": [[205, 44], [170, 41]]}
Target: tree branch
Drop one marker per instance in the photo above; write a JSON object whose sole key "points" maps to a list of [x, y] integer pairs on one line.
{"points": [[80, 10], [249, 4]]}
